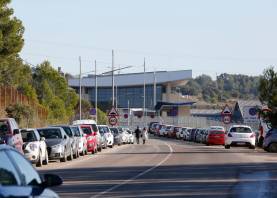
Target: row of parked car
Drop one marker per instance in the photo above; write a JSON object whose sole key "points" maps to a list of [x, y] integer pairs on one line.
{"points": [[62, 142], [19, 147], [214, 135]]}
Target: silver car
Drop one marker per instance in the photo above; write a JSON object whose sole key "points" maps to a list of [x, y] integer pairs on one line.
{"points": [[58, 143]]}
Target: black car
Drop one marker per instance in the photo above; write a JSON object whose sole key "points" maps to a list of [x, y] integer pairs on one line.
{"points": [[23, 180]]}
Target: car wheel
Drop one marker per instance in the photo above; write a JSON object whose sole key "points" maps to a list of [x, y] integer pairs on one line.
{"points": [[111, 146], [227, 146], [252, 147], [207, 144], [100, 149], [272, 148], [64, 159], [46, 160], [39, 163], [70, 158]]}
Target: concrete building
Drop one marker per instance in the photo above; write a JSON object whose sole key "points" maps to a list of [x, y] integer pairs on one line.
{"points": [[129, 88]]}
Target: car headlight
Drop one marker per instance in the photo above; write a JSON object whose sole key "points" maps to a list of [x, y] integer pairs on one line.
{"points": [[33, 147]]}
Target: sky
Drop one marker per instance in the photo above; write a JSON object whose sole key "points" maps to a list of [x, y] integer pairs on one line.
{"points": [[206, 36]]}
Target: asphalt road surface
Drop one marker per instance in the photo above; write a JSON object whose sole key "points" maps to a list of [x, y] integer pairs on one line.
{"points": [[169, 168]]}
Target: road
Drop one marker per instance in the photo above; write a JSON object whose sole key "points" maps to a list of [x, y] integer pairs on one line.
{"points": [[169, 168]]}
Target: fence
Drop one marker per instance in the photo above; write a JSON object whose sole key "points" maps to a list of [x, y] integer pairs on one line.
{"points": [[10, 96]]}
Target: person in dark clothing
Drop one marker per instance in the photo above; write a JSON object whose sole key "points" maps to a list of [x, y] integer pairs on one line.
{"points": [[138, 134]]}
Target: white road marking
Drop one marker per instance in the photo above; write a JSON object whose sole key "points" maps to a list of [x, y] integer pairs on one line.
{"points": [[137, 176]]}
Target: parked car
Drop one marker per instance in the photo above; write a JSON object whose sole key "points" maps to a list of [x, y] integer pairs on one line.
{"points": [[152, 127], [168, 131], [161, 130], [73, 139], [176, 132], [192, 134], [125, 135], [198, 135], [82, 146], [131, 136], [216, 136], [18, 178], [10, 134], [108, 135], [240, 135], [91, 137], [186, 133], [205, 136], [270, 141], [34, 147], [117, 135], [94, 128], [58, 143]]}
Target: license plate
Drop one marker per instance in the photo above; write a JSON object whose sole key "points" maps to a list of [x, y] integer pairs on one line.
{"points": [[240, 143]]}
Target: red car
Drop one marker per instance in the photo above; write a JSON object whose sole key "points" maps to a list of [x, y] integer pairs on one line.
{"points": [[216, 136], [91, 138]]}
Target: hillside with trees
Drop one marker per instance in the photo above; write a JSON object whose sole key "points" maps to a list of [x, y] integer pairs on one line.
{"points": [[42, 84], [226, 86]]}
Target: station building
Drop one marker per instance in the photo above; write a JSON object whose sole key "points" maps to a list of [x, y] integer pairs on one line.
{"points": [[129, 89]]}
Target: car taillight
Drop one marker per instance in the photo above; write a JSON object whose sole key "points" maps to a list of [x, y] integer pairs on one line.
{"points": [[229, 135], [253, 135]]}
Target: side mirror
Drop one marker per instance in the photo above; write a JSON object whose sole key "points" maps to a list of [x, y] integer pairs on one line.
{"points": [[16, 131], [51, 180], [95, 133], [42, 139], [64, 137]]}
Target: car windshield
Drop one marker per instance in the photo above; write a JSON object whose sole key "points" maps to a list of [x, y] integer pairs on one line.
{"points": [[76, 131], [28, 136], [120, 129], [50, 133], [68, 131], [240, 130], [4, 127], [87, 130], [94, 127], [114, 130]]}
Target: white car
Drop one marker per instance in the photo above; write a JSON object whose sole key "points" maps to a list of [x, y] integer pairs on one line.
{"points": [[131, 136], [240, 135], [82, 140], [34, 147], [162, 130], [108, 135]]}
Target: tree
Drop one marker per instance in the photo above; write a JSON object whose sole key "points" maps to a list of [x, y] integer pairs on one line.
{"points": [[53, 92], [268, 94], [20, 113]]}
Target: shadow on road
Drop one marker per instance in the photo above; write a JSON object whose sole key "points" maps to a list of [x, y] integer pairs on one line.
{"points": [[236, 180]]}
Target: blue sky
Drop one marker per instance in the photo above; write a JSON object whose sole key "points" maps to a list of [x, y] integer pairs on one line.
{"points": [[207, 36]]}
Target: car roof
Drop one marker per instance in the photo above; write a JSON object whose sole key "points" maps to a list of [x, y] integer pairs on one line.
{"points": [[28, 129], [245, 126]]}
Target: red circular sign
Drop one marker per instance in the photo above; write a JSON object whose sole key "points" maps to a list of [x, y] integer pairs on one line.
{"points": [[226, 119], [113, 120]]}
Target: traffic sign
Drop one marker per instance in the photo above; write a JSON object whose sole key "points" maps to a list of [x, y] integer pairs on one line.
{"points": [[226, 111], [226, 119], [113, 113], [113, 121]]}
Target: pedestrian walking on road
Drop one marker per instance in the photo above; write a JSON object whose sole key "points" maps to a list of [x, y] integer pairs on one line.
{"points": [[138, 134], [144, 135]]}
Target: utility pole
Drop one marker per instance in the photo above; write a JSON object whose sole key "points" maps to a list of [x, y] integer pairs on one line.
{"points": [[144, 92], [129, 113], [80, 88], [113, 77], [96, 96], [155, 90]]}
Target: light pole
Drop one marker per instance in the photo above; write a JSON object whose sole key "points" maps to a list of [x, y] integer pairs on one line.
{"points": [[144, 92], [113, 77], [96, 94], [80, 89]]}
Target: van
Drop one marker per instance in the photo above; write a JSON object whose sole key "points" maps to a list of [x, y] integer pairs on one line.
{"points": [[10, 134]]}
